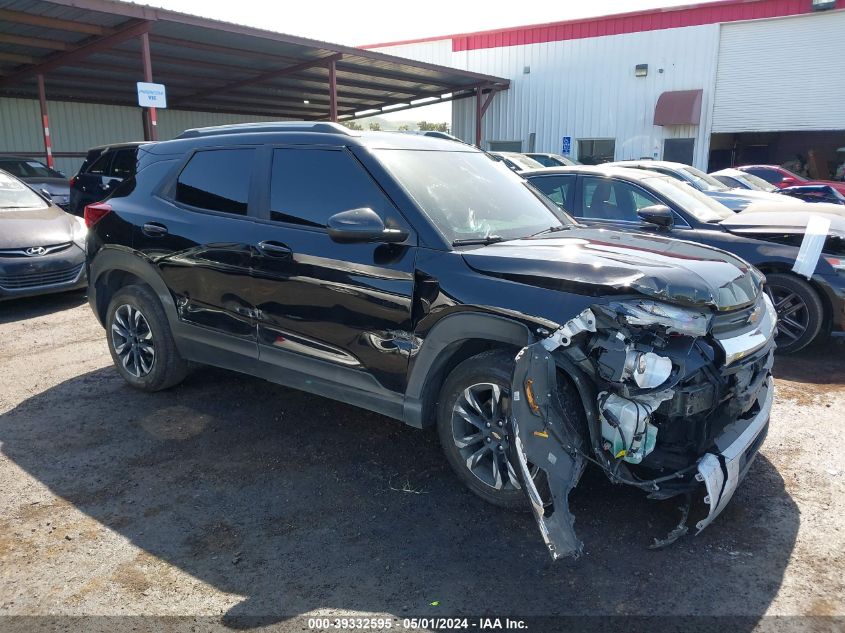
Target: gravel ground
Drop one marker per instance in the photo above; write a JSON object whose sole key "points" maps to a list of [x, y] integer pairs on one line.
{"points": [[229, 496]]}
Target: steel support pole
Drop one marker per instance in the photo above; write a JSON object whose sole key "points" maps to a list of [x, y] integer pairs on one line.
{"points": [[45, 121], [333, 90], [150, 122], [479, 114]]}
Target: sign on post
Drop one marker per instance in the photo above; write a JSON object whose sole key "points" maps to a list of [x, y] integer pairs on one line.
{"points": [[151, 95], [566, 146]]}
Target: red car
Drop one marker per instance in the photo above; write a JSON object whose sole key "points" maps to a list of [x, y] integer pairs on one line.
{"points": [[781, 177]]}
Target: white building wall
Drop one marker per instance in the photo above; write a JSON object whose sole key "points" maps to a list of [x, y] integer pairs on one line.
{"points": [[586, 89], [768, 68]]}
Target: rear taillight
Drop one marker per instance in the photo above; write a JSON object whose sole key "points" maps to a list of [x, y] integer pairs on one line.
{"points": [[72, 181], [96, 212]]}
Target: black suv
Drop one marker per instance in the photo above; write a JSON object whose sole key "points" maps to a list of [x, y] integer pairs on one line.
{"points": [[421, 279], [103, 169]]}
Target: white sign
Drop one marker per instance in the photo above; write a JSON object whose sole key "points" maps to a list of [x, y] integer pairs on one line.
{"points": [[151, 95]]}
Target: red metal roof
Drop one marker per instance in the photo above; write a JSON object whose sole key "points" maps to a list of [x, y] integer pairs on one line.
{"points": [[635, 22]]}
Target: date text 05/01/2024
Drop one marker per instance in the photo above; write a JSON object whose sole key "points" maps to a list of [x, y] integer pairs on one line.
{"points": [[432, 623]]}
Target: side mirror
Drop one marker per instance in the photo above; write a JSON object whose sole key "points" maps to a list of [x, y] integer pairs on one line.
{"points": [[362, 225], [657, 214], [47, 195], [788, 181]]}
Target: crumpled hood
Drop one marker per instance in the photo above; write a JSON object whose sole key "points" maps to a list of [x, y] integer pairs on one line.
{"points": [[20, 228], [597, 261]]}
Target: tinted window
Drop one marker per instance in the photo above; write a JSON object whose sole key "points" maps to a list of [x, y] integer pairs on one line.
{"points": [[545, 161], [102, 165], [730, 182], [217, 180], [123, 165], [308, 186], [769, 175], [606, 199], [556, 188]]}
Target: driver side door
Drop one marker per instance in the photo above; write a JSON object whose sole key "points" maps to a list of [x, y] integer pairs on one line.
{"points": [[324, 307]]}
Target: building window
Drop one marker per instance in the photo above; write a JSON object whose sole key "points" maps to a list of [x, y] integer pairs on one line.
{"points": [[594, 151], [505, 146]]}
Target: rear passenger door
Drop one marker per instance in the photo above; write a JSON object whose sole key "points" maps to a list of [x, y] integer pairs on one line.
{"points": [[334, 309], [199, 234]]}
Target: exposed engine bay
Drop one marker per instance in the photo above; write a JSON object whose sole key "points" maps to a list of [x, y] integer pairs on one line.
{"points": [[677, 402]]}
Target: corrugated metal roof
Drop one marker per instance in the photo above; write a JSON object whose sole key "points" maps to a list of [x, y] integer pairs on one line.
{"points": [[205, 64]]}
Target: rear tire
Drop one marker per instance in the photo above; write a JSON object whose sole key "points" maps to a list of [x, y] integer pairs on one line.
{"points": [[800, 311], [478, 435], [140, 341]]}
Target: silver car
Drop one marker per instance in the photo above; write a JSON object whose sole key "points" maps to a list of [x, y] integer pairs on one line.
{"points": [[42, 248]]}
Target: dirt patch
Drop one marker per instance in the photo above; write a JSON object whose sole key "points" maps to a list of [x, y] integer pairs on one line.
{"points": [[229, 496]]}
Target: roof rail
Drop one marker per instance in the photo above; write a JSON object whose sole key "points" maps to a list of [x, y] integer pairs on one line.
{"points": [[271, 126]]}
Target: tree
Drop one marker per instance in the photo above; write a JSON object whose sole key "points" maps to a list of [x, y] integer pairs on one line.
{"points": [[404, 127], [352, 125], [425, 126], [375, 126]]}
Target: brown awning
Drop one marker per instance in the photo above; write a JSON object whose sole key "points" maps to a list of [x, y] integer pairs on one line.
{"points": [[680, 107]]}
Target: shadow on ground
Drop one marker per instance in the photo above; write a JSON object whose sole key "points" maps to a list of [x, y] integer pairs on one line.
{"points": [[298, 503], [13, 310], [822, 363]]}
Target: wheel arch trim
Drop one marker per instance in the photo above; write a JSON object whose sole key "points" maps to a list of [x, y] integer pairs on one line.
{"points": [[109, 260], [442, 341]]}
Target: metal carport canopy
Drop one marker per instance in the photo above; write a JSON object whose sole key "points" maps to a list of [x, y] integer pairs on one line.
{"points": [[94, 51]]}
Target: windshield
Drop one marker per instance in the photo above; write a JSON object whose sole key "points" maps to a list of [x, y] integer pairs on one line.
{"points": [[523, 162], [16, 195], [28, 169], [703, 181], [468, 195], [700, 206], [755, 182]]}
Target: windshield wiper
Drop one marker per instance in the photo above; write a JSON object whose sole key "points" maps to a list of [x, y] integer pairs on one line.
{"points": [[479, 241], [551, 229]]}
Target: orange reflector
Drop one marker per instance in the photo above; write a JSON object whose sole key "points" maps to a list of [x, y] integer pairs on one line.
{"points": [[529, 395]]}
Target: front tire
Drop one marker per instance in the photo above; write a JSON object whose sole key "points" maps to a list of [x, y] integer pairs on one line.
{"points": [[472, 423], [140, 341], [800, 311]]}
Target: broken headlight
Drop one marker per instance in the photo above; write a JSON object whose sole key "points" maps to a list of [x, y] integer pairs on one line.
{"points": [[673, 318]]}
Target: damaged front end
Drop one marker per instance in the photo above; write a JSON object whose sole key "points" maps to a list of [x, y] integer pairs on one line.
{"points": [[675, 401]]}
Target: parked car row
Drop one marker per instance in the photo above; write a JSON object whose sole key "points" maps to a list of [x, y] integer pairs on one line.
{"points": [[766, 235]]}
